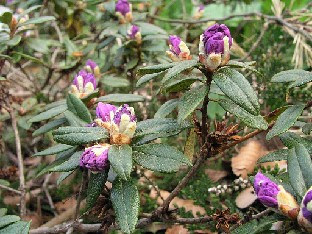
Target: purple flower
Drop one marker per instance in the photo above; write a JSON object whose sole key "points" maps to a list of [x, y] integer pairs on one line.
{"points": [[213, 38], [306, 209], [105, 111], [123, 11], [214, 46], [123, 125], [95, 157], [133, 31], [83, 84], [178, 50], [92, 67], [266, 190]]}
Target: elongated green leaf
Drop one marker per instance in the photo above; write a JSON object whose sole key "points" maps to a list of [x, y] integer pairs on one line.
{"points": [[79, 135], [3, 211], [178, 68], [235, 86], [121, 98], [115, 82], [95, 187], [147, 77], [74, 120], [291, 139], [151, 129], [14, 41], [155, 68], [166, 108], [20, 227], [190, 100], [301, 81], [249, 119], [37, 20], [29, 57], [159, 157], [63, 176], [295, 174], [246, 228], [125, 199], [55, 104], [28, 10], [177, 85], [49, 126], [246, 65], [70, 164], [49, 113], [291, 75], [277, 155], [7, 219], [285, 120], [120, 158], [54, 150], [305, 164], [76, 106]]}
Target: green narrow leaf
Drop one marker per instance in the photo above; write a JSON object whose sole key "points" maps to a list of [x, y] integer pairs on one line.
{"points": [[20, 227], [249, 119], [74, 120], [76, 106], [8, 219], [305, 164], [291, 139], [285, 121], [125, 199], [159, 157], [55, 104], [14, 41], [3, 211], [95, 187], [178, 68], [189, 148], [177, 85], [54, 150], [49, 126], [155, 68], [277, 155], [120, 158], [147, 77], [28, 10], [121, 98], [307, 128], [49, 113], [63, 176], [290, 75], [235, 86], [190, 100], [37, 20], [79, 135], [246, 65], [295, 175], [6, 18], [166, 108], [70, 164], [248, 227]]}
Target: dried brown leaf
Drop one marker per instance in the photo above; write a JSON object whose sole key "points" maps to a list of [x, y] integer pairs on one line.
{"points": [[245, 198], [215, 175]]}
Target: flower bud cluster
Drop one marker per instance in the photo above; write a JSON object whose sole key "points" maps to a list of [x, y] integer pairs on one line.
{"points": [[123, 10], [84, 82], [238, 184]]}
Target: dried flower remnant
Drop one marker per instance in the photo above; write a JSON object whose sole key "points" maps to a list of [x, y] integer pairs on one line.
{"points": [[178, 51], [83, 84], [95, 158], [214, 46], [123, 10]]}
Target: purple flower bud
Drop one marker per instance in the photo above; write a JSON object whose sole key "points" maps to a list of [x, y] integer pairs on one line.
{"points": [[133, 31], [84, 83], [95, 157], [105, 111], [92, 67], [123, 7], [266, 190], [305, 215], [123, 125], [214, 46], [177, 49], [213, 38]]}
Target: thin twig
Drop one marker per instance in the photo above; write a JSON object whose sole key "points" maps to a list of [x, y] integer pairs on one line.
{"points": [[82, 188], [46, 191], [20, 163], [10, 189]]}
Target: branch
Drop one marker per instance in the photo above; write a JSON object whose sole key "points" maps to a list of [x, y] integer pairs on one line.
{"points": [[20, 163], [10, 189]]}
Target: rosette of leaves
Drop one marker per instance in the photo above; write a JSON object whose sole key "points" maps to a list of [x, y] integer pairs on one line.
{"points": [[237, 95], [142, 151]]}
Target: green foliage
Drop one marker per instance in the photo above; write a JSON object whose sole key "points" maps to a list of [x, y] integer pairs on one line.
{"points": [[95, 187]]}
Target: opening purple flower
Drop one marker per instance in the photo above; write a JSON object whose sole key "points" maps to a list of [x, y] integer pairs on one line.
{"points": [[135, 34], [126, 113], [83, 84], [266, 190], [95, 158], [305, 215], [92, 67], [105, 111]]}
